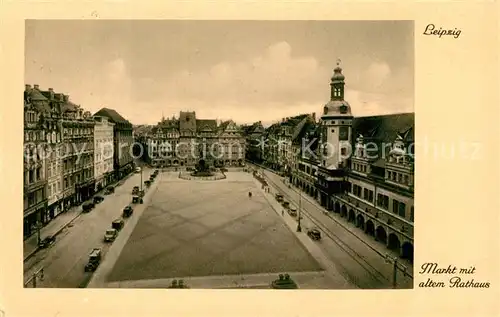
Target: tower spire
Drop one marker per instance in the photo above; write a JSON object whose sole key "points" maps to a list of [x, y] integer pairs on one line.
{"points": [[337, 83]]}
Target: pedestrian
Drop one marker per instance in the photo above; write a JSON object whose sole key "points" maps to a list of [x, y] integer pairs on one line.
{"points": [[283, 212]]}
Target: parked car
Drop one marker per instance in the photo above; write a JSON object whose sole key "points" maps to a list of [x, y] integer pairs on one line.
{"points": [[284, 281], [279, 197], [136, 199], [138, 169], [135, 190], [147, 183], [98, 199], [109, 190], [285, 204], [128, 211], [88, 206], [94, 260], [292, 211], [47, 242], [314, 234], [117, 224], [110, 235]]}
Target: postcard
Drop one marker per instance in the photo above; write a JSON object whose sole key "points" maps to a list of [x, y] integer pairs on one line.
{"points": [[248, 159]]}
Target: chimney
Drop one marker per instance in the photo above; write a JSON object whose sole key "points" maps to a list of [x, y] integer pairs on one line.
{"points": [[314, 116], [27, 87], [65, 98], [36, 86], [51, 92]]}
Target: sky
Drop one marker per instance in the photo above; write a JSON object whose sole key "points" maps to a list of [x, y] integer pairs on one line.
{"points": [[246, 71]]}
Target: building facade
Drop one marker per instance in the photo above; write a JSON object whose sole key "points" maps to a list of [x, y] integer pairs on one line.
{"points": [[361, 168], [103, 152], [123, 140], [185, 141], [35, 180], [77, 154], [58, 156]]}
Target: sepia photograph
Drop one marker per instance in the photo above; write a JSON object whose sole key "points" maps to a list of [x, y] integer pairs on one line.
{"points": [[211, 154]]}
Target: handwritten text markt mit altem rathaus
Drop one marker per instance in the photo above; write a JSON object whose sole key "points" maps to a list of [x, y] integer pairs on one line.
{"points": [[455, 281]]}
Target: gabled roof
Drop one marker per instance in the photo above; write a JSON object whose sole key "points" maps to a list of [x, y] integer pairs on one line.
{"points": [[223, 126], [206, 125], [385, 128], [113, 116]]}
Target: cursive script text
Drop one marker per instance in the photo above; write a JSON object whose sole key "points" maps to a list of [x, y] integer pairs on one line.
{"points": [[431, 29]]}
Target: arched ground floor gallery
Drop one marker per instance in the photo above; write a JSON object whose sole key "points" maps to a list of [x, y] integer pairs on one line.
{"points": [[364, 221]]}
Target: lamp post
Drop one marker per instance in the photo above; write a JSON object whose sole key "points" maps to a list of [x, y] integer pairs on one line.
{"points": [[394, 261], [299, 228], [38, 227]]}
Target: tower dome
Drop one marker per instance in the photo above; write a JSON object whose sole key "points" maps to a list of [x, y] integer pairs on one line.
{"points": [[337, 73]]}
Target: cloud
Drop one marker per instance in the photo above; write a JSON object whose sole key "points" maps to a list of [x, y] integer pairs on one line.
{"points": [[269, 86], [273, 78]]}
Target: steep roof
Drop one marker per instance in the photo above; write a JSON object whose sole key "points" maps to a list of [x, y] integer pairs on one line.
{"points": [[113, 116], [223, 125], [385, 128], [206, 124]]}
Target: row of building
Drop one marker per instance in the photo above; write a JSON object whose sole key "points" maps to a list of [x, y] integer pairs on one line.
{"points": [[185, 141], [359, 167], [69, 154]]}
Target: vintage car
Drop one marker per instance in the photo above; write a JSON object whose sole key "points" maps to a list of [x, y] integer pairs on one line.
{"points": [[117, 224], [137, 169], [135, 190], [109, 190], [285, 204], [88, 206], [94, 260], [127, 211], [279, 197], [284, 282], [98, 199], [47, 242], [110, 235], [292, 211], [147, 183], [136, 199], [314, 234]]}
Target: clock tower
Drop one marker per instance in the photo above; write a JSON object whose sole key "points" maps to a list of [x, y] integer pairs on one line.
{"points": [[336, 125]]}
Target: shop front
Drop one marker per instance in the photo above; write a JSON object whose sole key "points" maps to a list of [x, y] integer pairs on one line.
{"points": [[84, 191], [32, 216]]}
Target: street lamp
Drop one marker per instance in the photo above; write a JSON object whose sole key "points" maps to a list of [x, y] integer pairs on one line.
{"points": [[299, 228], [38, 227], [394, 261]]}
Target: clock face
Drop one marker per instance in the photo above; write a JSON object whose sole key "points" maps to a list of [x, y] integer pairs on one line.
{"points": [[344, 133]]}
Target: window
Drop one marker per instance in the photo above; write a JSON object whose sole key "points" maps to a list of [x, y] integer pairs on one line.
{"points": [[406, 179], [389, 174], [400, 178], [395, 207], [370, 198], [402, 210], [343, 151], [383, 201], [365, 194]]}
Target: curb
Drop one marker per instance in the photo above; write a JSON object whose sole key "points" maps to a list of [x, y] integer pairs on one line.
{"points": [[60, 229], [55, 234]]}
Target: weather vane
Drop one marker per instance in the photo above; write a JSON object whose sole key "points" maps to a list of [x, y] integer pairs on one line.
{"points": [[338, 61]]}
